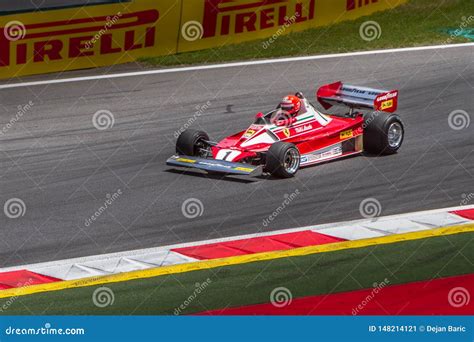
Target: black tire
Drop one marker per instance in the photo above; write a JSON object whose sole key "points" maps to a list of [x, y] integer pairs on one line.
{"points": [[189, 141], [277, 160], [377, 137]]}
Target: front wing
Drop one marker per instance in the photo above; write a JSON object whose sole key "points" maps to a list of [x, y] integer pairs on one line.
{"points": [[214, 165]]}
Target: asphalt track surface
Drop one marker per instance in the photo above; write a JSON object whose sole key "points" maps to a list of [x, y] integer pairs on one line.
{"points": [[62, 167]]}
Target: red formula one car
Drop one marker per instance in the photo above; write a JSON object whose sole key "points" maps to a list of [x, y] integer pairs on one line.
{"points": [[296, 135]]}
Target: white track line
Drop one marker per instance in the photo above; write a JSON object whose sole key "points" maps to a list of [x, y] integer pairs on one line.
{"points": [[152, 250], [231, 65]]}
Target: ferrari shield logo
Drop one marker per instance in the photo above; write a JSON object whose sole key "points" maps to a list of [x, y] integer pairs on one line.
{"points": [[286, 132]]}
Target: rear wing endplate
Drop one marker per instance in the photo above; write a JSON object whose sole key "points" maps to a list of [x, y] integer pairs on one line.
{"points": [[357, 97]]}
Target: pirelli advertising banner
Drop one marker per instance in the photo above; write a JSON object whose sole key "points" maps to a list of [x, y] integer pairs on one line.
{"points": [[88, 36], [211, 23], [107, 34]]}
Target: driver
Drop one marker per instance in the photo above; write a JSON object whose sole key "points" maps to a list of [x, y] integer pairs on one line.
{"points": [[287, 111]]}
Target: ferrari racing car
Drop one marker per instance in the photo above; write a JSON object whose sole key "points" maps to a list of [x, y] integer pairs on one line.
{"points": [[296, 134]]}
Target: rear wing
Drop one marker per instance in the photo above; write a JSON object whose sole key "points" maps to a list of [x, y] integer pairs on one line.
{"points": [[357, 97]]}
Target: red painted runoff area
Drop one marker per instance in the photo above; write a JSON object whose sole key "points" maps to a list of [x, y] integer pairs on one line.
{"points": [[23, 278], [468, 213], [445, 296], [257, 245]]}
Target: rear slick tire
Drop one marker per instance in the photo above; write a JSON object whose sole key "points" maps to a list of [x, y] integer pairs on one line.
{"points": [[383, 134]]}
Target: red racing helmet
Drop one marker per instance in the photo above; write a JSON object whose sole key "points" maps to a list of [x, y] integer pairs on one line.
{"points": [[291, 104]]}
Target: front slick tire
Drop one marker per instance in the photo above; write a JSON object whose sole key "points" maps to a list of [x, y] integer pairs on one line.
{"points": [[383, 134], [283, 160], [190, 142]]}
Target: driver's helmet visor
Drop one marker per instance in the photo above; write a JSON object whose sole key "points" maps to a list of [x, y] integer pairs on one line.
{"points": [[290, 108]]}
